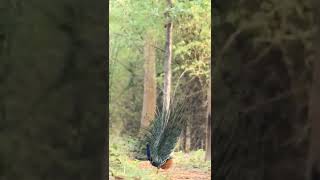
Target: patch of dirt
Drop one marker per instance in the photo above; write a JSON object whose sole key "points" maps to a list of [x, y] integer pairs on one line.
{"points": [[179, 173]]}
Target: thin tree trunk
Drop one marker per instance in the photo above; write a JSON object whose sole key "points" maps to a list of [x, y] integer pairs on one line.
{"points": [[314, 110], [208, 130], [149, 96], [188, 139], [184, 138], [168, 60]]}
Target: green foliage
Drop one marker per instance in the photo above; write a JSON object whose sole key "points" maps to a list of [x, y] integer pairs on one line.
{"points": [[121, 162], [193, 159], [129, 20], [193, 39], [132, 18]]}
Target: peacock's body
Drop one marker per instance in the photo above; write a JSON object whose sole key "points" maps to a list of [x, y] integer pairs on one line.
{"points": [[163, 136]]}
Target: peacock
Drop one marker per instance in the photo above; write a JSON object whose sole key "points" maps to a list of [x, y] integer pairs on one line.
{"points": [[163, 134]]}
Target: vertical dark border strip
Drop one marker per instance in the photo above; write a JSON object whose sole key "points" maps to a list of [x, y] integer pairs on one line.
{"points": [[212, 87], [106, 120]]}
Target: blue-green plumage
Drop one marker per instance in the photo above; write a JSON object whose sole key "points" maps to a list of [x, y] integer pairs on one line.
{"points": [[163, 134], [148, 152]]}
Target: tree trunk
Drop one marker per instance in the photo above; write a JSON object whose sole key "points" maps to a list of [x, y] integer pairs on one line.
{"points": [[149, 96], [314, 112], [208, 130], [185, 139], [188, 139], [168, 60]]}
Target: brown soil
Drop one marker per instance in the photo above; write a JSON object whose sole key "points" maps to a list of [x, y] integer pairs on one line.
{"points": [[179, 173]]}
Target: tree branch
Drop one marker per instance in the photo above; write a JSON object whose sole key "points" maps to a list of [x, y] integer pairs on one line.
{"points": [[259, 57], [229, 42], [274, 99]]}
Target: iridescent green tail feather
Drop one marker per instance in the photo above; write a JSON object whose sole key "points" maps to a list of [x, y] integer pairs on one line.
{"points": [[162, 137]]}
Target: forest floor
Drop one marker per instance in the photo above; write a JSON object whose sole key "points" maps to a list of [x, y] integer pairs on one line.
{"points": [[124, 165], [179, 173], [174, 173]]}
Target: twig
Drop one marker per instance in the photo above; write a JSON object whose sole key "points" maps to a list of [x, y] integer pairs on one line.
{"points": [[259, 57], [274, 99], [229, 41]]}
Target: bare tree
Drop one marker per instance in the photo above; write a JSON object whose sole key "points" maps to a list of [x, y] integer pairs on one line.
{"points": [[168, 60], [149, 96]]}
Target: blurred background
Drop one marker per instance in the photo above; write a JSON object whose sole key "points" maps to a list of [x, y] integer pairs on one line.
{"points": [[266, 90], [52, 89]]}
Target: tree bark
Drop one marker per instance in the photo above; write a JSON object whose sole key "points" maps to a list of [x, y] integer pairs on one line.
{"points": [[184, 141], [149, 96], [208, 130], [168, 60]]}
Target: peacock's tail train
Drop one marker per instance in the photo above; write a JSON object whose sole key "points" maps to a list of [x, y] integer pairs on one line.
{"points": [[163, 134]]}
